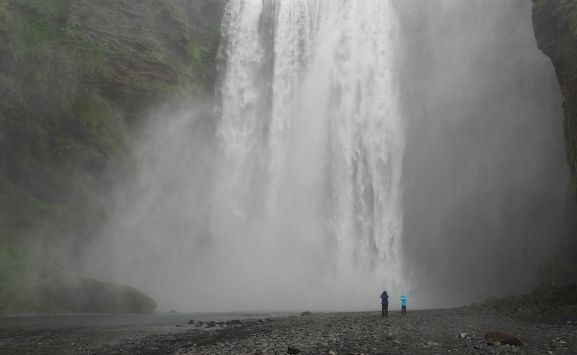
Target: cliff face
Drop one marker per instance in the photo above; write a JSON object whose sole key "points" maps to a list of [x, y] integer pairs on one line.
{"points": [[74, 75], [555, 23], [556, 31]]}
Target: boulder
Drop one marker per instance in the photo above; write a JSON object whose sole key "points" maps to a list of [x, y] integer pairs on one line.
{"points": [[93, 296], [500, 338], [293, 351]]}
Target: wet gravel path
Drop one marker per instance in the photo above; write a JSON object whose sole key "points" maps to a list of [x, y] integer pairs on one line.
{"points": [[455, 331], [425, 332]]}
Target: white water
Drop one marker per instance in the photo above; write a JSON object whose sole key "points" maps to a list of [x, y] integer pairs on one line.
{"points": [[293, 201], [312, 145]]}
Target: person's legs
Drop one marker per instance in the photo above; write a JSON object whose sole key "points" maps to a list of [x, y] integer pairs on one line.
{"points": [[382, 310], [404, 310], [386, 310]]}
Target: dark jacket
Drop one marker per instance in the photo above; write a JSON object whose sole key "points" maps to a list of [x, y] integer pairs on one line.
{"points": [[384, 298]]}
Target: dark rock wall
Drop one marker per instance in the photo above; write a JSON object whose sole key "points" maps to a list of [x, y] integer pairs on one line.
{"points": [[555, 23], [74, 76], [484, 176]]}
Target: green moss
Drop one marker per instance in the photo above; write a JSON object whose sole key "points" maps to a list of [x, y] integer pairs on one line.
{"points": [[46, 7], [101, 123], [21, 210], [572, 18], [5, 18], [195, 54], [13, 267], [176, 13], [39, 21]]}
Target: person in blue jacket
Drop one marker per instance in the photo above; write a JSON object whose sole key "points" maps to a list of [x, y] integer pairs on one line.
{"points": [[403, 304], [384, 304]]}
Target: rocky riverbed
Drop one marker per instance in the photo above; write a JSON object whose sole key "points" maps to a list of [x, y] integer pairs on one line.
{"points": [[453, 331]]}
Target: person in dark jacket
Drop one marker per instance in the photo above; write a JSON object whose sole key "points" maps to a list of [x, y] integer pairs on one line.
{"points": [[384, 304]]}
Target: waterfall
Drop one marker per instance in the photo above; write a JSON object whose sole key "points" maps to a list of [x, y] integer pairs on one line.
{"points": [[311, 140], [288, 196], [286, 193]]}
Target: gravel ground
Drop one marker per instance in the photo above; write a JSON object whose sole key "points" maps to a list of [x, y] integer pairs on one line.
{"points": [[452, 331]]}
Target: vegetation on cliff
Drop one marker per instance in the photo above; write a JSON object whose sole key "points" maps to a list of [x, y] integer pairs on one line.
{"points": [[75, 76], [551, 303], [555, 24]]}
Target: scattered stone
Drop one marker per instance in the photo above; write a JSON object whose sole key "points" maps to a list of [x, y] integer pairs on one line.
{"points": [[334, 334], [499, 338]]}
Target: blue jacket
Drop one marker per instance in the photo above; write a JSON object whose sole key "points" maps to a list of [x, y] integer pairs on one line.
{"points": [[384, 298], [403, 300]]}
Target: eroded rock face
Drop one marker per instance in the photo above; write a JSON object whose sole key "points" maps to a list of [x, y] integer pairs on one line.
{"points": [[74, 75], [555, 23]]}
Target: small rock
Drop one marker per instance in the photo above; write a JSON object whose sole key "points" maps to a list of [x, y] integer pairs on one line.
{"points": [[331, 352], [432, 343], [463, 335]]}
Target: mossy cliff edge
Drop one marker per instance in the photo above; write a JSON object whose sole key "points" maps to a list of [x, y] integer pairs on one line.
{"points": [[75, 77], [555, 23]]}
